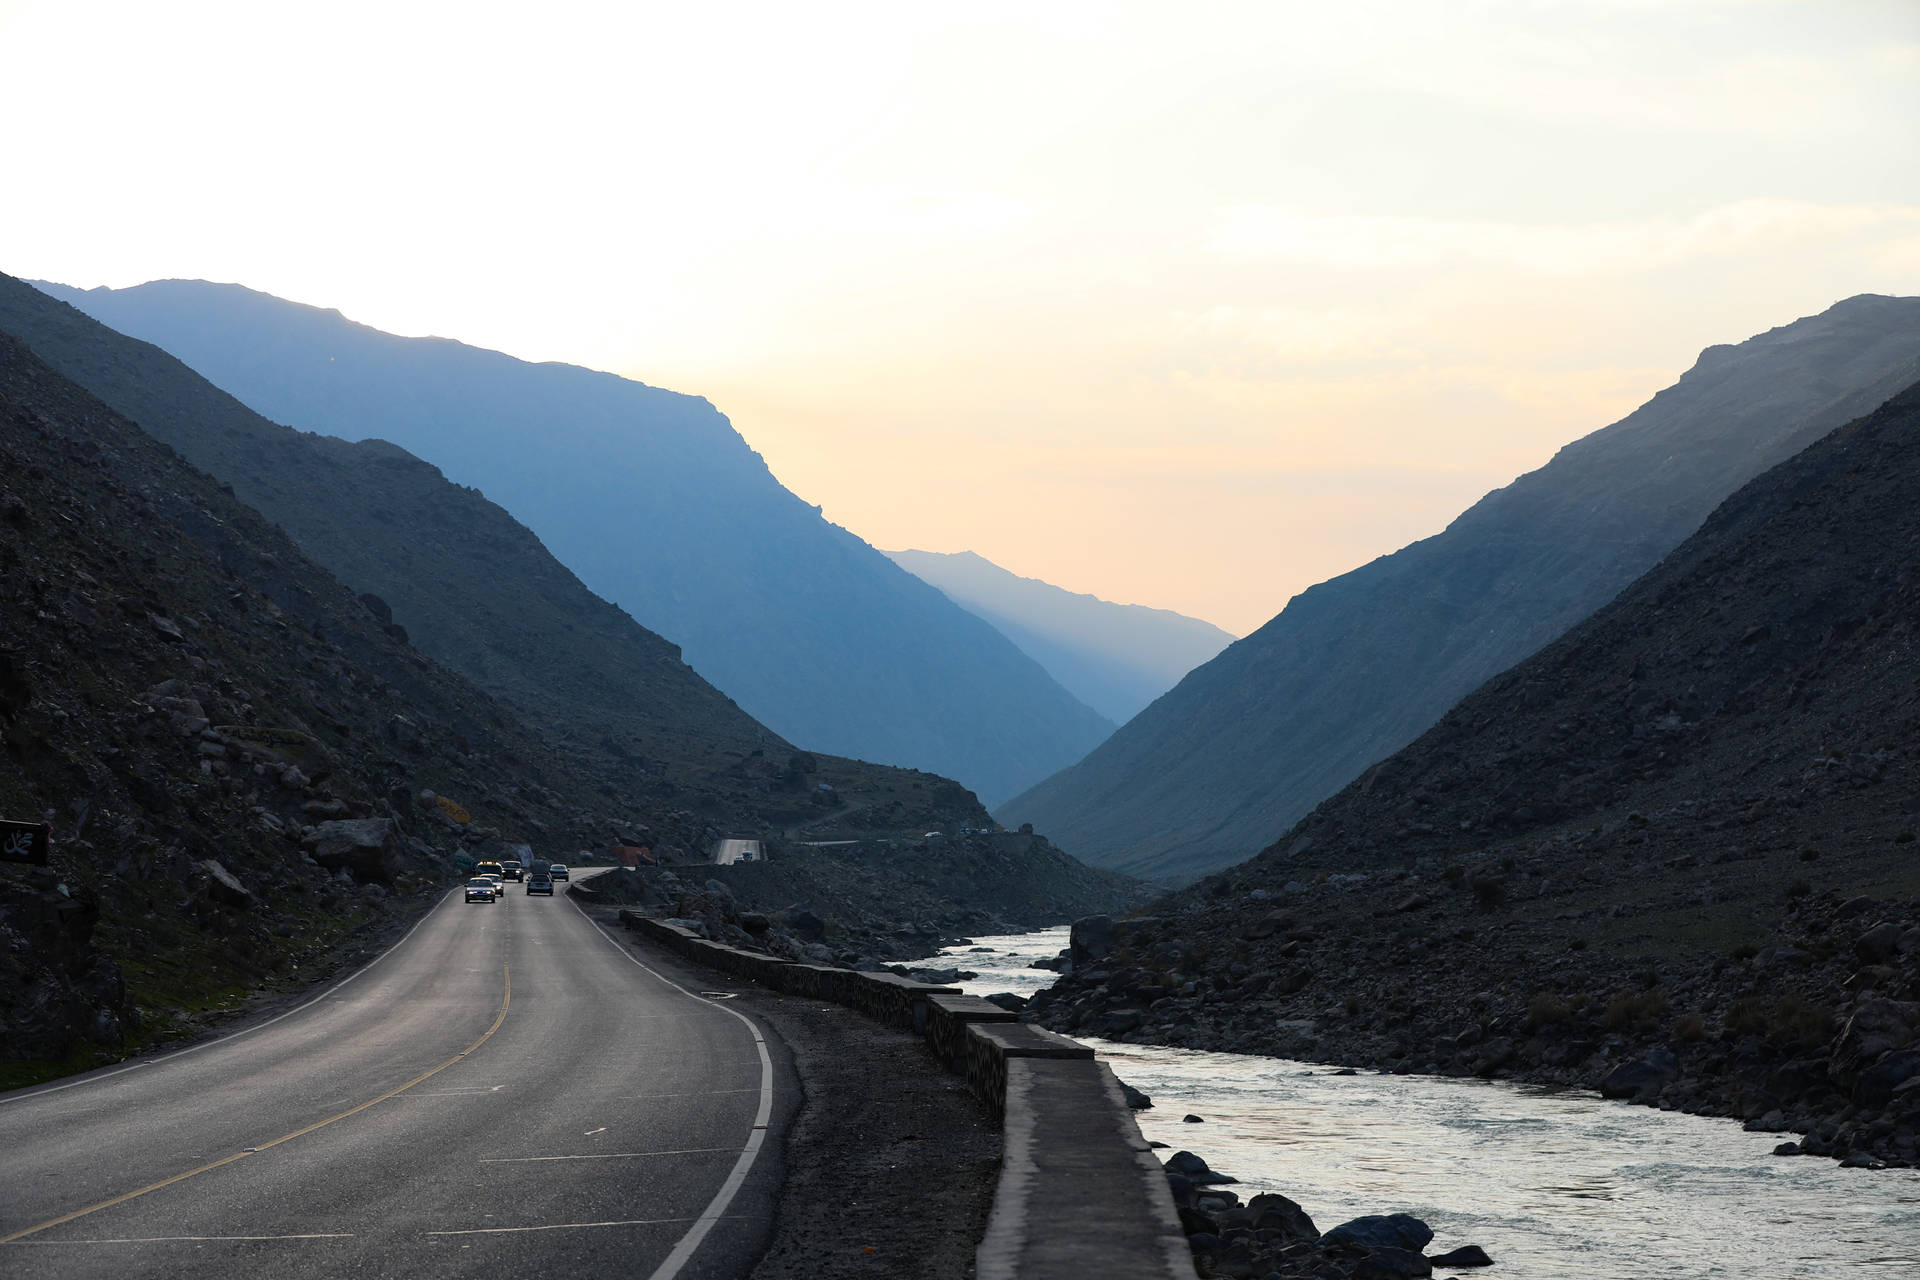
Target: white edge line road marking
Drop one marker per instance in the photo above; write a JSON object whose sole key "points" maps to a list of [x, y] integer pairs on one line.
{"points": [[684, 1250], [62, 1244], [704, 1093], [564, 1226], [23, 1095], [612, 1155]]}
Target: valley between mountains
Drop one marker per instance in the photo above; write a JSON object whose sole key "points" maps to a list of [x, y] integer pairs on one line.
{"points": [[1612, 784]]}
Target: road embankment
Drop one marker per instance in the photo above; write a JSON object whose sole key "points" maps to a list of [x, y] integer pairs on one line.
{"points": [[1079, 1189]]}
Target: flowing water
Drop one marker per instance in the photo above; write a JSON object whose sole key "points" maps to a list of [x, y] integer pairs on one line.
{"points": [[1555, 1184]]}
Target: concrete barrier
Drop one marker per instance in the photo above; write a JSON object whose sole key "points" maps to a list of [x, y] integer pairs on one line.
{"points": [[947, 1021], [990, 1047], [1080, 1191]]}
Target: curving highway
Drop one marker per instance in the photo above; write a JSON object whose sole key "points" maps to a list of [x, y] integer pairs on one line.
{"points": [[505, 1092]]}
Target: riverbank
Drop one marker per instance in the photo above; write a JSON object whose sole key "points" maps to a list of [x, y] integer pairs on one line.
{"points": [[1814, 1033], [1554, 1183]]}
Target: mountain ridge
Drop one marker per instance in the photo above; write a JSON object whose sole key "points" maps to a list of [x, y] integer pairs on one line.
{"points": [[391, 525], [1668, 856], [1356, 667], [1114, 657], [245, 768], [658, 504]]}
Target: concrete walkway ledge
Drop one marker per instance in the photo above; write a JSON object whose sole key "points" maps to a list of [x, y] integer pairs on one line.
{"points": [[1081, 1193]]}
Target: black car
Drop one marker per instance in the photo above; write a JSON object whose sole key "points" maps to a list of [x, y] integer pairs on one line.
{"points": [[540, 883], [510, 869]]}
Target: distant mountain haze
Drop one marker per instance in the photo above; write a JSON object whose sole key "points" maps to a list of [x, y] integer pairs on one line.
{"points": [[657, 504], [1356, 667], [1116, 658], [472, 588]]}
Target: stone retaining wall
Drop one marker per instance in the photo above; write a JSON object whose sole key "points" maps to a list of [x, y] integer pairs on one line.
{"points": [[1070, 1139]]}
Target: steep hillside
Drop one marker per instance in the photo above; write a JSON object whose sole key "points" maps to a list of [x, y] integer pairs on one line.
{"points": [[475, 590], [659, 506], [245, 766], [239, 762], [1673, 852], [1116, 658], [1355, 668]]}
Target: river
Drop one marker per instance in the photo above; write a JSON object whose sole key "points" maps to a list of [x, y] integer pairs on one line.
{"points": [[1554, 1184]]}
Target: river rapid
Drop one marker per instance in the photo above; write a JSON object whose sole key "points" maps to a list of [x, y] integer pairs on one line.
{"points": [[1554, 1184]]}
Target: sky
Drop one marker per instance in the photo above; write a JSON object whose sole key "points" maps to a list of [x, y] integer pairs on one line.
{"points": [[1188, 305]]}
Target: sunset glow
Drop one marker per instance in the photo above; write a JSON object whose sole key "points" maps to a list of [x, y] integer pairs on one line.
{"points": [[1186, 306]]}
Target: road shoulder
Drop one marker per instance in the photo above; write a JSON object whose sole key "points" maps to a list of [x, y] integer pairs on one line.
{"points": [[889, 1164]]}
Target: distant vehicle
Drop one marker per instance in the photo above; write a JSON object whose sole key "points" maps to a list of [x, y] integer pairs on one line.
{"points": [[481, 889], [537, 883], [933, 835], [487, 869], [558, 871], [493, 878], [510, 869]]}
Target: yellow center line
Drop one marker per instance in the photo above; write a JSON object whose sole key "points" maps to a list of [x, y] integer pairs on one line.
{"points": [[506, 998]]}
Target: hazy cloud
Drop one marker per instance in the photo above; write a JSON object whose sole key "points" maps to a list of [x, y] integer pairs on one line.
{"points": [[1367, 242]]}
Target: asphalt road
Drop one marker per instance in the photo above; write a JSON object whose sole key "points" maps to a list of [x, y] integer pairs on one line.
{"points": [[506, 1092], [732, 851]]}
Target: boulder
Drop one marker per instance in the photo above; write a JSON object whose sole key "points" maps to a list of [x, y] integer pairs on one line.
{"points": [[1381, 1231], [406, 732], [1195, 1170], [377, 607], [1273, 1212], [1392, 1264], [1879, 944], [1091, 940], [1876, 1084], [362, 846], [1216, 1201], [802, 922], [1643, 1079], [1876, 1028], [1467, 1255]]}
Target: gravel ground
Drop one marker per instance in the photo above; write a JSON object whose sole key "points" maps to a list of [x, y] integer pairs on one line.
{"points": [[890, 1164]]}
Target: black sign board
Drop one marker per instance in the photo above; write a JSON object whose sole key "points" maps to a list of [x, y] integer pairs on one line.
{"points": [[23, 842]]}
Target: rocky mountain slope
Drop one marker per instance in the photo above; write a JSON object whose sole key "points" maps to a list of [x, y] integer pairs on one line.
{"points": [[475, 590], [658, 505], [1116, 658], [1357, 667], [1673, 854], [244, 765], [239, 761]]}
